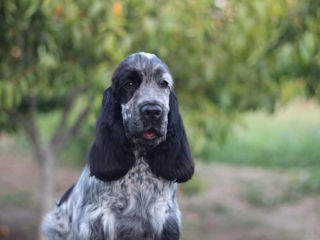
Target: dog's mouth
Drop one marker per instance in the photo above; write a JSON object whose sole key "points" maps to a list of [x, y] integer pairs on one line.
{"points": [[149, 137], [150, 134]]}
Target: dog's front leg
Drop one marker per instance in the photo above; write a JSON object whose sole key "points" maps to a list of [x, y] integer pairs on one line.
{"points": [[171, 230]]}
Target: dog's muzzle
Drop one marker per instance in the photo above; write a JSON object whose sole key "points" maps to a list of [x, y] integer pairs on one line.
{"points": [[152, 117]]}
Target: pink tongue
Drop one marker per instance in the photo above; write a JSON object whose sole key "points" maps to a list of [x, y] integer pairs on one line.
{"points": [[149, 134]]}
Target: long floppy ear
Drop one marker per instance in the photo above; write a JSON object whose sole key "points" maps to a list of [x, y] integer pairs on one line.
{"points": [[172, 159], [110, 156]]}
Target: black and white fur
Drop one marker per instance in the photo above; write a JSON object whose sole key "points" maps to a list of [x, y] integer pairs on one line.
{"points": [[127, 190]]}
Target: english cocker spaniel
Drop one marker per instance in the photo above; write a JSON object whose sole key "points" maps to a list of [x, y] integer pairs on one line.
{"points": [[127, 190]]}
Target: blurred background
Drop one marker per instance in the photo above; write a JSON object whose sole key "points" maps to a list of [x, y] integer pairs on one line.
{"points": [[246, 74]]}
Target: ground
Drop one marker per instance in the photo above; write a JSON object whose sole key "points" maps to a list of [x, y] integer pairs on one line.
{"points": [[237, 203]]}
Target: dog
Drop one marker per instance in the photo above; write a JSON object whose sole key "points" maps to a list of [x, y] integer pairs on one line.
{"points": [[127, 190]]}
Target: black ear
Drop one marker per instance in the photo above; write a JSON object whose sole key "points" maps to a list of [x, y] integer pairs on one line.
{"points": [[110, 156], [172, 159]]}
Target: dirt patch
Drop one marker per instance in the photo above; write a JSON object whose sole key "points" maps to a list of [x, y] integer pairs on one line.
{"points": [[227, 210], [224, 211]]}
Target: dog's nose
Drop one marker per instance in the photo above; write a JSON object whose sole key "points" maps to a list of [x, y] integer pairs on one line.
{"points": [[151, 111]]}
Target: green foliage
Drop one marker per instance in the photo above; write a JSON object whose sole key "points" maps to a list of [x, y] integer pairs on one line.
{"points": [[225, 59]]}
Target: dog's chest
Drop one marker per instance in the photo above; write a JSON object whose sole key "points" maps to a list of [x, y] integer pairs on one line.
{"points": [[141, 202], [140, 188], [140, 179]]}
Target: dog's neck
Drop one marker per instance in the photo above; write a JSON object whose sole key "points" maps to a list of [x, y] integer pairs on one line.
{"points": [[141, 151]]}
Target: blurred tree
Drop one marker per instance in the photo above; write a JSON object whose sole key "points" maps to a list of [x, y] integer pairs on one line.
{"points": [[295, 51], [54, 56], [227, 56]]}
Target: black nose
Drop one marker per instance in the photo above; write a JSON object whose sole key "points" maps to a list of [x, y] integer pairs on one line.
{"points": [[151, 111]]}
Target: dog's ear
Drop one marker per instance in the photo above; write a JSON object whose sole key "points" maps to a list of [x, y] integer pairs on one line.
{"points": [[172, 159], [110, 156]]}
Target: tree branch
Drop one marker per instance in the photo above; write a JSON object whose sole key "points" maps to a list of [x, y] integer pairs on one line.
{"points": [[30, 126], [71, 132], [66, 111]]}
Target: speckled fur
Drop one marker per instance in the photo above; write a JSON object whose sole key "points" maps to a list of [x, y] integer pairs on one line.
{"points": [[136, 202], [136, 206]]}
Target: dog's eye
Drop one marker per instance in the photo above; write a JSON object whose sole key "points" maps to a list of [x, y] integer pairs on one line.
{"points": [[164, 84], [129, 85]]}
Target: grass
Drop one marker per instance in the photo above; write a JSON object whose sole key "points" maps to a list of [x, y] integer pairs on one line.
{"points": [[288, 139], [193, 187], [271, 193]]}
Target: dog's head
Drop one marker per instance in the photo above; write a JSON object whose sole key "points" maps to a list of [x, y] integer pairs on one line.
{"points": [[140, 114], [142, 83]]}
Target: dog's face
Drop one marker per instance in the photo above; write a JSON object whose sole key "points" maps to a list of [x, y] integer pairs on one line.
{"points": [[141, 110], [142, 83]]}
